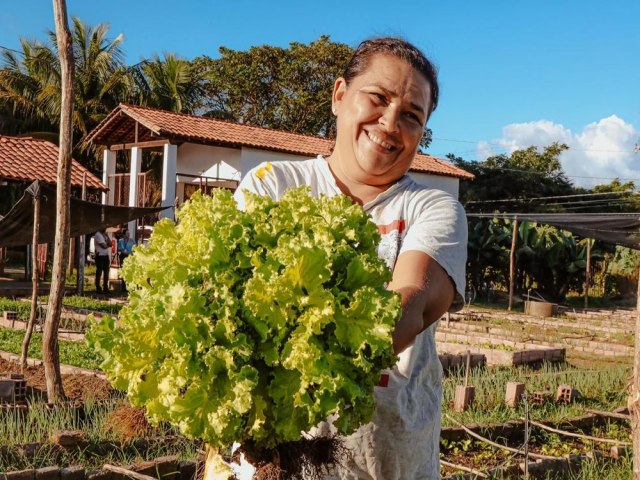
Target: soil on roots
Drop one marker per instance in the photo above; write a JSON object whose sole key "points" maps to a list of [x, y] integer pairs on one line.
{"points": [[307, 458]]}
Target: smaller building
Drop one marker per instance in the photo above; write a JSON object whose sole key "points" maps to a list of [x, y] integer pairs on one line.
{"points": [[25, 159], [22, 161]]}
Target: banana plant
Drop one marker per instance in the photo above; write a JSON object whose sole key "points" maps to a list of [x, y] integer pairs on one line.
{"points": [[550, 260]]}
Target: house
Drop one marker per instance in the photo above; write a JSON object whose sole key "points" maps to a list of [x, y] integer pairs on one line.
{"points": [[202, 152]]}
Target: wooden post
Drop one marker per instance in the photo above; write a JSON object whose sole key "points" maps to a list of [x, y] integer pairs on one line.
{"points": [[81, 246], [587, 279], [50, 346], [465, 394], [512, 261], [72, 255], [34, 283], [467, 368], [634, 395], [3, 259]]}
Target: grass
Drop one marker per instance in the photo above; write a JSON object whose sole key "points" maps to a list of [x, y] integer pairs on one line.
{"points": [[602, 389], [78, 354], [88, 303], [39, 422]]}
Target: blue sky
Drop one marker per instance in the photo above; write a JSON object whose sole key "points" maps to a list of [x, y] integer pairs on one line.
{"points": [[513, 73]]}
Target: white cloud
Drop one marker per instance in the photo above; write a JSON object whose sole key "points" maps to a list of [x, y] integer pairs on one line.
{"points": [[603, 149]]}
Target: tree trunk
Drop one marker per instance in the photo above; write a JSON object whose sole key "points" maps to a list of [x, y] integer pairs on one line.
{"points": [[634, 395], [34, 281], [50, 348]]}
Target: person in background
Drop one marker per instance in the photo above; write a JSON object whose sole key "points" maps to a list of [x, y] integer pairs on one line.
{"points": [[102, 244], [125, 248], [382, 103]]}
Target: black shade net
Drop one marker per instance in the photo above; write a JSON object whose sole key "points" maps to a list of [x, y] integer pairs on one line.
{"points": [[16, 227]]}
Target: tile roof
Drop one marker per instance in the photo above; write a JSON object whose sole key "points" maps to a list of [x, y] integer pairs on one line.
{"points": [[28, 159], [119, 127]]}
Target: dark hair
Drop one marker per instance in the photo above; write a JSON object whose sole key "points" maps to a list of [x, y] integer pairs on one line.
{"points": [[398, 48]]}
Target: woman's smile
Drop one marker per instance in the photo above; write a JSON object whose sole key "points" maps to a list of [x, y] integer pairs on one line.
{"points": [[385, 146]]}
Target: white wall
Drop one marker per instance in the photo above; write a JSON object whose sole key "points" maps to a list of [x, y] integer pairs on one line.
{"points": [[209, 161], [252, 157], [448, 184], [234, 163]]}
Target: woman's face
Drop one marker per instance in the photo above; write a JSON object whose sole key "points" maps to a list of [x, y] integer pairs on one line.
{"points": [[381, 116]]}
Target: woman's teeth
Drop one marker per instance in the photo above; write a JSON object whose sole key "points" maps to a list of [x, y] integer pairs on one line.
{"points": [[379, 141]]}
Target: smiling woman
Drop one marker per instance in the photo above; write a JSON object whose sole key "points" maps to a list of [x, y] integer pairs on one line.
{"points": [[381, 116], [382, 103]]}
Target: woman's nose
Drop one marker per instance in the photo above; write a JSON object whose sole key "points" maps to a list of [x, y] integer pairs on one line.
{"points": [[390, 120]]}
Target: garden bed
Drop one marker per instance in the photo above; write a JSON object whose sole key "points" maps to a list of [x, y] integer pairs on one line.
{"points": [[502, 354], [546, 336], [77, 354], [565, 456]]}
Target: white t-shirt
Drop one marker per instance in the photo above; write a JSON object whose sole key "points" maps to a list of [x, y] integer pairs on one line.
{"points": [[402, 442], [100, 237]]}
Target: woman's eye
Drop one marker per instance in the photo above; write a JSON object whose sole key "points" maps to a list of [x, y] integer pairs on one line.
{"points": [[380, 98], [413, 117]]}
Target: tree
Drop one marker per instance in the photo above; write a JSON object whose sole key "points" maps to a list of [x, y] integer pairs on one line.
{"points": [[21, 82], [624, 200], [171, 84], [523, 175], [50, 346], [283, 88], [31, 82]]}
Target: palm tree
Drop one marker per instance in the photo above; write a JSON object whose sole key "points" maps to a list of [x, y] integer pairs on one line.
{"points": [[30, 81], [21, 81], [171, 83]]}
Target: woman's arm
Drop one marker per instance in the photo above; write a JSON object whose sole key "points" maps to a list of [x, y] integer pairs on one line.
{"points": [[427, 293]]}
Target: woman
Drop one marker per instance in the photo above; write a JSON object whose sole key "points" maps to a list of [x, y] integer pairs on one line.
{"points": [[382, 103]]}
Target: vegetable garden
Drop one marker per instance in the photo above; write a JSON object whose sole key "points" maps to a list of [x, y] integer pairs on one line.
{"points": [[259, 375]]}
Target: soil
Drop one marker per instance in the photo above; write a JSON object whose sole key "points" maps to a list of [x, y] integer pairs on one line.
{"points": [[77, 387]]}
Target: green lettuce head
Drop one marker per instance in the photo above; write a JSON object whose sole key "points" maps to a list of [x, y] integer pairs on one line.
{"points": [[254, 325]]}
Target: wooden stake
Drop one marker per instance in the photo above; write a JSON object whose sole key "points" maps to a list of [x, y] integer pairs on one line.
{"points": [[587, 279], [620, 416], [467, 368], [577, 435], [72, 252], [127, 473], [81, 245], [497, 445], [462, 468], [512, 261], [34, 283]]}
